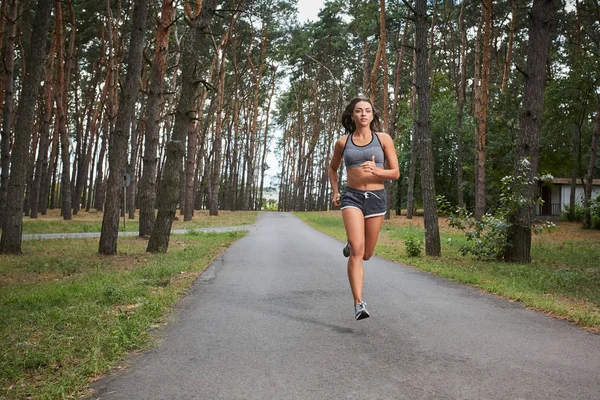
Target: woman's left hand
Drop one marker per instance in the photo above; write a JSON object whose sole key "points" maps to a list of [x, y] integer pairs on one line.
{"points": [[369, 166]]}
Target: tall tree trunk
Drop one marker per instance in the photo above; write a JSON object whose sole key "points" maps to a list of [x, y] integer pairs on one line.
{"points": [[414, 148], [86, 173], [31, 163], [39, 195], [386, 98], [171, 173], [263, 165], [190, 170], [481, 115], [379, 55], [7, 109], [423, 131], [100, 194], [576, 146], [258, 75], [509, 47], [518, 247], [159, 67], [61, 118], [394, 116], [90, 180], [10, 243], [366, 82], [120, 136], [461, 94], [587, 216], [431, 38], [131, 169], [216, 167]]}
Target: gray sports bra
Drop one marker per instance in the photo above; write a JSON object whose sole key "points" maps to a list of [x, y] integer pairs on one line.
{"points": [[355, 155]]}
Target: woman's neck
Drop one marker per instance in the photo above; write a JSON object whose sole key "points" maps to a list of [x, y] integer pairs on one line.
{"points": [[362, 131]]}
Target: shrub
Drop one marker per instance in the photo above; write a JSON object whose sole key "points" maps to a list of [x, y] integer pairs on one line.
{"points": [[413, 246], [573, 214], [595, 211], [487, 237]]}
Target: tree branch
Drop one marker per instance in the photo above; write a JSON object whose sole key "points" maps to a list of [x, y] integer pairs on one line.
{"points": [[410, 7], [332, 75], [518, 67]]}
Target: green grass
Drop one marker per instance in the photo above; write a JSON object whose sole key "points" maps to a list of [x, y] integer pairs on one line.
{"points": [[92, 222], [69, 314], [563, 279]]}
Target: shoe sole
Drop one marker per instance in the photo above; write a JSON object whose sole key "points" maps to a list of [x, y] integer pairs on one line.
{"points": [[346, 251], [362, 315]]}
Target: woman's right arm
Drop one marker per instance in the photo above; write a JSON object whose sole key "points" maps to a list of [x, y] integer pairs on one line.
{"points": [[336, 160]]}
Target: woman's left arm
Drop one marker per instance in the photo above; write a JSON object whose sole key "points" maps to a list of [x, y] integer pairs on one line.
{"points": [[389, 149]]}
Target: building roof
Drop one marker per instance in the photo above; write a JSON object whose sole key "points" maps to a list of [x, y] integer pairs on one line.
{"points": [[567, 181]]}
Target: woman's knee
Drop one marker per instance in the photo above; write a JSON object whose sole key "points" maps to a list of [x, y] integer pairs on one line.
{"points": [[367, 256], [357, 250]]}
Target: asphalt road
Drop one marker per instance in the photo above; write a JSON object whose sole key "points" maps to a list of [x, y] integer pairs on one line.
{"points": [[272, 318]]}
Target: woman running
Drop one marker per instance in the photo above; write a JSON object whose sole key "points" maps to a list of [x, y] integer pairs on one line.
{"points": [[365, 150]]}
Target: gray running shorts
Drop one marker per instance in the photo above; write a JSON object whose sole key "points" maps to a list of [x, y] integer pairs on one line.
{"points": [[372, 203]]}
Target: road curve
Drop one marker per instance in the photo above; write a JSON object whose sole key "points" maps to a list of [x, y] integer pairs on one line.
{"points": [[272, 319]]}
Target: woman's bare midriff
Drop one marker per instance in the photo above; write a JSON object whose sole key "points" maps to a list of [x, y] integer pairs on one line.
{"points": [[360, 180]]}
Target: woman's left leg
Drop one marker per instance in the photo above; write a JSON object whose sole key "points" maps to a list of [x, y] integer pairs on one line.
{"points": [[372, 228]]}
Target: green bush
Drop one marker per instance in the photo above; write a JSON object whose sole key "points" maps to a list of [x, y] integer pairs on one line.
{"points": [[573, 214], [413, 246], [595, 211], [487, 237]]}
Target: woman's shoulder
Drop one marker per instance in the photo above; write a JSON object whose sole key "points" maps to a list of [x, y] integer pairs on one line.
{"points": [[342, 140], [383, 137]]}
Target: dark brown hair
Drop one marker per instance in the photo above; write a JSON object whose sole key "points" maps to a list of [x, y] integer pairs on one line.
{"points": [[347, 122]]}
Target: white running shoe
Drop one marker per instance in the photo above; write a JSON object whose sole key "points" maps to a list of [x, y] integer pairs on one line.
{"points": [[360, 311]]}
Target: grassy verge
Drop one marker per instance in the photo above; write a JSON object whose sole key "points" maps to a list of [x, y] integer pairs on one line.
{"points": [[92, 221], [69, 314], [563, 279]]}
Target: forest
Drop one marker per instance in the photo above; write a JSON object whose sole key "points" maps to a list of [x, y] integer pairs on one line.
{"points": [[186, 101]]}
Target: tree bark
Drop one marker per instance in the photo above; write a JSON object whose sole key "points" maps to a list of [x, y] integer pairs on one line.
{"points": [[100, 192], [10, 243], [481, 115], [159, 66], [257, 75], [7, 109], [171, 173], [366, 81], [263, 164], [518, 247], [509, 47], [414, 148], [61, 118], [423, 131], [120, 136], [41, 169], [394, 116], [461, 94], [587, 216]]}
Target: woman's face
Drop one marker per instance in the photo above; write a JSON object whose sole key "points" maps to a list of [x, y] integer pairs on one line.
{"points": [[362, 114]]}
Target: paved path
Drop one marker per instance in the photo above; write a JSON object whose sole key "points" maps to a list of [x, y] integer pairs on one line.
{"points": [[272, 319], [83, 235]]}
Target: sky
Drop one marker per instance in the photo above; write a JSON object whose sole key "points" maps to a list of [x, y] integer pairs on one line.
{"points": [[309, 9]]}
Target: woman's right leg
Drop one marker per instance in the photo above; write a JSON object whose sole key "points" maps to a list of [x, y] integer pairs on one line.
{"points": [[355, 230]]}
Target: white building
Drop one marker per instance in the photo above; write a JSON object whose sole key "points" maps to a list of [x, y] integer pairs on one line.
{"points": [[557, 195]]}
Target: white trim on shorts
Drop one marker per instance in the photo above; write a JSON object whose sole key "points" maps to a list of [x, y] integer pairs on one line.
{"points": [[366, 216], [375, 215]]}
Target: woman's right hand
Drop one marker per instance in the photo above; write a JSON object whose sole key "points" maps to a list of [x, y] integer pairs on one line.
{"points": [[337, 199]]}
